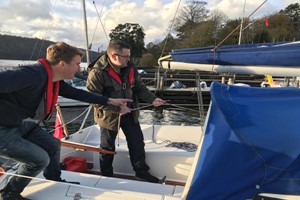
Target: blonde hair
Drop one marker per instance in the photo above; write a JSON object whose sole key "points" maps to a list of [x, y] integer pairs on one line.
{"points": [[61, 51]]}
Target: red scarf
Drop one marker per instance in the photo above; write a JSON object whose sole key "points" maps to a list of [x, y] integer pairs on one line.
{"points": [[51, 90]]}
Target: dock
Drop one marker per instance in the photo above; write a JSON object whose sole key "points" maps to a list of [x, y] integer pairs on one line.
{"points": [[194, 86]]}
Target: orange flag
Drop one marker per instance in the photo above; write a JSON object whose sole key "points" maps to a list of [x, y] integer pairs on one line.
{"points": [[58, 133]]}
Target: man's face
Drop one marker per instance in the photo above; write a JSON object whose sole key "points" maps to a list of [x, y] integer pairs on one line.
{"points": [[121, 59], [70, 69]]}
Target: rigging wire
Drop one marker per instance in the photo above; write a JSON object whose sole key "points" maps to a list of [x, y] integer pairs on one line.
{"points": [[44, 30], [171, 27], [214, 49], [99, 19]]}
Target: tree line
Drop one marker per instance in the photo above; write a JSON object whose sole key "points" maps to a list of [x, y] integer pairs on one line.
{"points": [[195, 26], [21, 48]]}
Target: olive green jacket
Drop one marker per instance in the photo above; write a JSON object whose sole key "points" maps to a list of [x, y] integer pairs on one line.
{"points": [[102, 82]]}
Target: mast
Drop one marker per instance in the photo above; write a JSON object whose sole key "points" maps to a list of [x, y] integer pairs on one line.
{"points": [[241, 26], [86, 33]]}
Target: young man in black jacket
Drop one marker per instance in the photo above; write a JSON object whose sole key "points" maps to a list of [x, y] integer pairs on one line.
{"points": [[28, 93]]}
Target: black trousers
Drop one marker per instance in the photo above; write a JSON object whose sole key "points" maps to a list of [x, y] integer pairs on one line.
{"points": [[135, 142]]}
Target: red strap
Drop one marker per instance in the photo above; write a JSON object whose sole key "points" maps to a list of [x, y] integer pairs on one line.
{"points": [[130, 76], [51, 90], [115, 75]]}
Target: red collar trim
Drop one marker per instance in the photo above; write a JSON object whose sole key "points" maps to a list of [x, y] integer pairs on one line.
{"points": [[112, 72], [51, 90]]}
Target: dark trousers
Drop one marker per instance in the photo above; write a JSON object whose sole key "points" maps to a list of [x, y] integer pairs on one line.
{"points": [[135, 142], [34, 148]]}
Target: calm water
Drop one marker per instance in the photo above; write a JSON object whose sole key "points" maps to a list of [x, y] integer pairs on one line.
{"points": [[166, 116]]}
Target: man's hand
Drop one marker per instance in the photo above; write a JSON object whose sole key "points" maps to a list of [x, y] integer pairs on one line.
{"points": [[118, 102], [124, 110], [158, 102]]}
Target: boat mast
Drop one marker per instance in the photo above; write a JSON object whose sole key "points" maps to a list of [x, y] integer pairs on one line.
{"points": [[86, 33], [241, 26]]}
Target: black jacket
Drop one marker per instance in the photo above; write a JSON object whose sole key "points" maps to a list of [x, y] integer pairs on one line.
{"points": [[100, 81], [22, 89]]}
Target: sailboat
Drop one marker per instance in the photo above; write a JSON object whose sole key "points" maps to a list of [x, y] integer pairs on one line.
{"points": [[249, 147], [241, 153]]}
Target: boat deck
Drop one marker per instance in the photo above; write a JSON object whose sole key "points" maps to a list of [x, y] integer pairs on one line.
{"points": [[98, 187]]}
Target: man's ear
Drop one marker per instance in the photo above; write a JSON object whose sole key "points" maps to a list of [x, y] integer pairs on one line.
{"points": [[62, 63], [113, 56]]}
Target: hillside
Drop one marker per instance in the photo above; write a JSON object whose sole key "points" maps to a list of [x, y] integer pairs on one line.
{"points": [[20, 48]]}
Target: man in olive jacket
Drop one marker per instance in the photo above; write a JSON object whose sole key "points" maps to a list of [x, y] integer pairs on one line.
{"points": [[113, 75]]}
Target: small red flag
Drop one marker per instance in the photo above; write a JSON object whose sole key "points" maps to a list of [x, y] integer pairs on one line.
{"points": [[266, 21], [58, 133]]}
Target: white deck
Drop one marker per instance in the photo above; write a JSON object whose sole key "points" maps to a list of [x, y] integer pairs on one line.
{"points": [[98, 187], [171, 162]]}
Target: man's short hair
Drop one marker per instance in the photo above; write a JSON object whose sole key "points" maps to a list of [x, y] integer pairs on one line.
{"points": [[61, 51], [116, 46]]}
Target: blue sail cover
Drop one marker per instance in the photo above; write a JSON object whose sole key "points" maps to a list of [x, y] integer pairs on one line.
{"points": [[262, 54], [251, 144]]}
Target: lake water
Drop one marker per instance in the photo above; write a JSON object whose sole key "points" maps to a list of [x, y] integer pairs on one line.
{"points": [[172, 116], [165, 116]]}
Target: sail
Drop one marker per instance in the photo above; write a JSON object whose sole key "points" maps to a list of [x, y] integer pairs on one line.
{"points": [[251, 144]]}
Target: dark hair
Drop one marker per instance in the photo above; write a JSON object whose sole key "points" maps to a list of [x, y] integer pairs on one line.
{"points": [[116, 46], [61, 51]]}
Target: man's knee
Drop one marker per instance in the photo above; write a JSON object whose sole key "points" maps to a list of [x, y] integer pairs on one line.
{"points": [[43, 161]]}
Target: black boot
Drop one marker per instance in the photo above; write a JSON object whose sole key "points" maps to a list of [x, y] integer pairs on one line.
{"points": [[146, 176], [72, 182]]}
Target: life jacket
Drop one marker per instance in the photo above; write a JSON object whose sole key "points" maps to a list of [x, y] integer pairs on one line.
{"points": [[51, 93], [115, 75]]}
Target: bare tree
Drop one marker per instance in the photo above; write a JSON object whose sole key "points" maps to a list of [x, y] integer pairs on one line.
{"points": [[194, 12]]}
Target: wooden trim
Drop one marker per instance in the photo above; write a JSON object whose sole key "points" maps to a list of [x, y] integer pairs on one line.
{"points": [[84, 147]]}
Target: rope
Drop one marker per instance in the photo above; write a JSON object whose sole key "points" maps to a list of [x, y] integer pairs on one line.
{"points": [[181, 107]]}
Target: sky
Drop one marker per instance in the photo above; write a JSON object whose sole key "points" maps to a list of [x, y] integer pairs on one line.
{"points": [[62, 20]]}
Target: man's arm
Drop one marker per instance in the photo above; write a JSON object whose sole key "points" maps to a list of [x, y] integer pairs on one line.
{"points": [[70, 92]]}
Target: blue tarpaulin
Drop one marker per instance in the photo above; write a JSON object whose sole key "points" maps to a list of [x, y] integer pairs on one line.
{"points": [[262, 54], [251, 144]]}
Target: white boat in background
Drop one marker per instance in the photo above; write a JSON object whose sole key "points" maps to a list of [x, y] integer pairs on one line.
{"points": [[66, 102]]}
